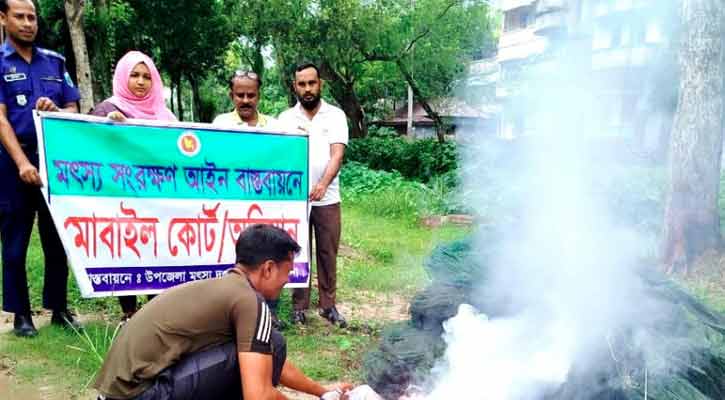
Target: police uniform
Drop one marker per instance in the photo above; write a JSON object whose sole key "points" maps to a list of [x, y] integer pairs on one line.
{"points": [[21, 84]]}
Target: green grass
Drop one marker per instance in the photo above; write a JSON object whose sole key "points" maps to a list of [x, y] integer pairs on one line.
{"points": [[381, 255], [35, 268], [390, 252], [59, 357], [329, 354]]}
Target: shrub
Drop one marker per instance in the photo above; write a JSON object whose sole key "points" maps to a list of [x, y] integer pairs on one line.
{"points": [[389, 194], [419, 160]]}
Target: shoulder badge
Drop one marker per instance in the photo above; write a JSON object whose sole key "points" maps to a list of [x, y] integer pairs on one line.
{"points": [[68, 80]]}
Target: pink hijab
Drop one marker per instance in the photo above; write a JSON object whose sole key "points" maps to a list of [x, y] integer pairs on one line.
{"points": [[150, 107]]}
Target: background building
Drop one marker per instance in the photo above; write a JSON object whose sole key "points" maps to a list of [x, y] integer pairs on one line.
{"points": [[621, 48]]}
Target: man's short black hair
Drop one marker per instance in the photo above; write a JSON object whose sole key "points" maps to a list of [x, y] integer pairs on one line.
{"points": [[261, 242], [303, 66], [4, 6]]}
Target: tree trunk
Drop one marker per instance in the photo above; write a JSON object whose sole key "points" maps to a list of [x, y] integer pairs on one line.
{"points": [[258, 59], [101, 66], [196, 97], [344, 93], [353, 109], [437, 120], [74, 16], [692, 222], [179, 99], [171, 98], [345, 96]]}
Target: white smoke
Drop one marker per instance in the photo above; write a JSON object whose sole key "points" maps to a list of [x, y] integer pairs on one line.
{"points": [[567, 273], [501, 359]]}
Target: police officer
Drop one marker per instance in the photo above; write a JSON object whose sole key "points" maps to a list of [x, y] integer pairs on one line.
{"points": [[30, 77]]}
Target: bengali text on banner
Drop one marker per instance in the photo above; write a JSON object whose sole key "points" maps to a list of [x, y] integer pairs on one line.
{"points": [[143, 206]]}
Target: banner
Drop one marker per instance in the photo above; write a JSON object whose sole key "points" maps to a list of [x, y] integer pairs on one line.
{"points": [[142, 206]]}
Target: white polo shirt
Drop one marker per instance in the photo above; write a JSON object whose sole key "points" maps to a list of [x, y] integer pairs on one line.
{"points": [[329, 126]]}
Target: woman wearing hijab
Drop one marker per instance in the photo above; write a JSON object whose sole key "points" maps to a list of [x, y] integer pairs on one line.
{"points": [[137, 93]]}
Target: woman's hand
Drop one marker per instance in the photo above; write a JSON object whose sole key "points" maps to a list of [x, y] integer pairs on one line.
{"points": [[116, 116]]}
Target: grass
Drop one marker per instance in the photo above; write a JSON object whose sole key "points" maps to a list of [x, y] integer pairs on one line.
{"points": [[706, 280], [394, 250], [381, 256], [59, 356]]}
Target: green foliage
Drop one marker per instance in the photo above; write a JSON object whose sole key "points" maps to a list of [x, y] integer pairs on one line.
{"points": [[214, 98], [110, 33], [52, 28], [355, 42], [382, 193], [419, 159], [81, 352], [446, 35], [388, 194]]}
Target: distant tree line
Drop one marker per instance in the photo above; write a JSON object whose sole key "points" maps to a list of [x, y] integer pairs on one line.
{"points": [[368, 50]]}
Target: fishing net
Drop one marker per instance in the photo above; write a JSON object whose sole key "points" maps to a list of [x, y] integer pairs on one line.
{"points": [[687, 361]]}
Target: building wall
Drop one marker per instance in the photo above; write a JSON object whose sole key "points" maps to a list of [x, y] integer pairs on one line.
{"points": [[623, 45]]}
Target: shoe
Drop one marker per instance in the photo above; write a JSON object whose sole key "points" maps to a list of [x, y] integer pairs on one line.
{"points": [[299, 318], [23, 326], [277, 323], [65, 319], [333, 316]]}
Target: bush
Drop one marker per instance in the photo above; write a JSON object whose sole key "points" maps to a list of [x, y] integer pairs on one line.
{"points": [[389, 194], [419, 160], [383, 193]]}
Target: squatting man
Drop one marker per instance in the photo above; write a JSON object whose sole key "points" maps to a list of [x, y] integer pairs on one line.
{"points": [[213, 339]]}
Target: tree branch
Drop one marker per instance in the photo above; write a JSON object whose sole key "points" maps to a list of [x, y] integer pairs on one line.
{"points": [[429, 28], [437, 120], [375, 56]]}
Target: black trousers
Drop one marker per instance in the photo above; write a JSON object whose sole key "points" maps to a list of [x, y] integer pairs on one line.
{"points": [[16, 225], [210, 374]]}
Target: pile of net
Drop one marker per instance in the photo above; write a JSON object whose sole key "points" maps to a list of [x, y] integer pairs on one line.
{"points": [[690, 360]]}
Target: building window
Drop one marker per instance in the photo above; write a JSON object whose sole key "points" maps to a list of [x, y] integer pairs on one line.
{"points": [[518, 18]]}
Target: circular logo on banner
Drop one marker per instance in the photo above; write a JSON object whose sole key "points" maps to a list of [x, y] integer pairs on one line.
{"points": [[189, 144]]}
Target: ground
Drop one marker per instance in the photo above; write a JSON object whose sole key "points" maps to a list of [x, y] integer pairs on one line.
{"points": [[376, 307], [380, 269]]}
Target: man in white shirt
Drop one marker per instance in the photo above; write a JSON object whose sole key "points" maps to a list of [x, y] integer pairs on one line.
{"points": [[326, 126], [244, 89]]}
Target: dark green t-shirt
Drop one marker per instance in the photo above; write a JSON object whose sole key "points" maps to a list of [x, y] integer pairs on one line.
{"points": [[184, 319]]}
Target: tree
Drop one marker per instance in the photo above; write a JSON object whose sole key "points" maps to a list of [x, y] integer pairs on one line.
{"points": [[111, 32], [692, 221], [190, 37], [346, 36], [444, 34], [74, 15], [253, 22]]}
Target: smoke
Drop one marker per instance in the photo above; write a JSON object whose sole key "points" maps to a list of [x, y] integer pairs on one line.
{"points": [[565, 281]]}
